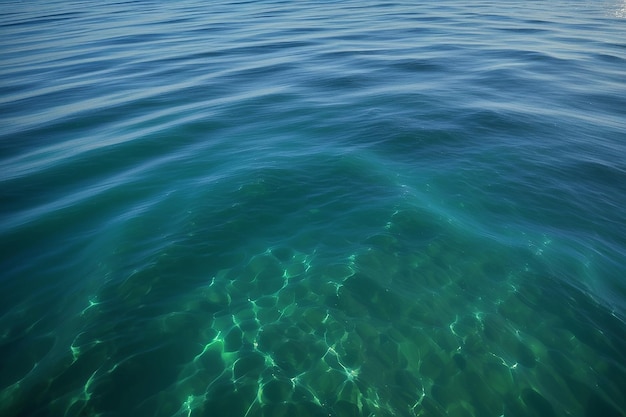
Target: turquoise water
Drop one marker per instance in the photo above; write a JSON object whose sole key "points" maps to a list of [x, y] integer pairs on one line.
{"points": [[280, 208]]}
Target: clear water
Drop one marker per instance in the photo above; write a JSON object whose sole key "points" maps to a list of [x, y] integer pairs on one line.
{"points": [[281, 208]]}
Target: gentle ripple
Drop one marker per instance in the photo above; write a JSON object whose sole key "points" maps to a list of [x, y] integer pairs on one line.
{"points": [[272, 208]]}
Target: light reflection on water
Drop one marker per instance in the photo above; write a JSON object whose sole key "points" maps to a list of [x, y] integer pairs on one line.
{"points": [[275, 208]]}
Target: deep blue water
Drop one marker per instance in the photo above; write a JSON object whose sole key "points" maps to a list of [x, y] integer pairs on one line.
{"points": [[315, 208]]}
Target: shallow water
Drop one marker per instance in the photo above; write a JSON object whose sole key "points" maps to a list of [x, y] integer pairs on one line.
{"points": [[279, 208]]}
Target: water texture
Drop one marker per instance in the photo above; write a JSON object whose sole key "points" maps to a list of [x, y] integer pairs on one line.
{"points": [[281, 208]]}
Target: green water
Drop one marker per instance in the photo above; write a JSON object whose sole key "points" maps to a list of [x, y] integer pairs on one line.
{"points": [[273, 208]]}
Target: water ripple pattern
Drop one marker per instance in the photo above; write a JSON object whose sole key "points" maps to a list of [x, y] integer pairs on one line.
{"points": [[279, 208]]}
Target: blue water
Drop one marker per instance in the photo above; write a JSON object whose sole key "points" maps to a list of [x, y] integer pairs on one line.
{"points": [[280, 208]]}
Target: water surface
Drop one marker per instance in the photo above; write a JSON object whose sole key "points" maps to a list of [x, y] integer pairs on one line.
{"points": [[278, 208]]}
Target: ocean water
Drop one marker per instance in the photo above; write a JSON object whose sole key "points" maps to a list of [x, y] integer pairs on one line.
{"points": [[313, 208]]}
